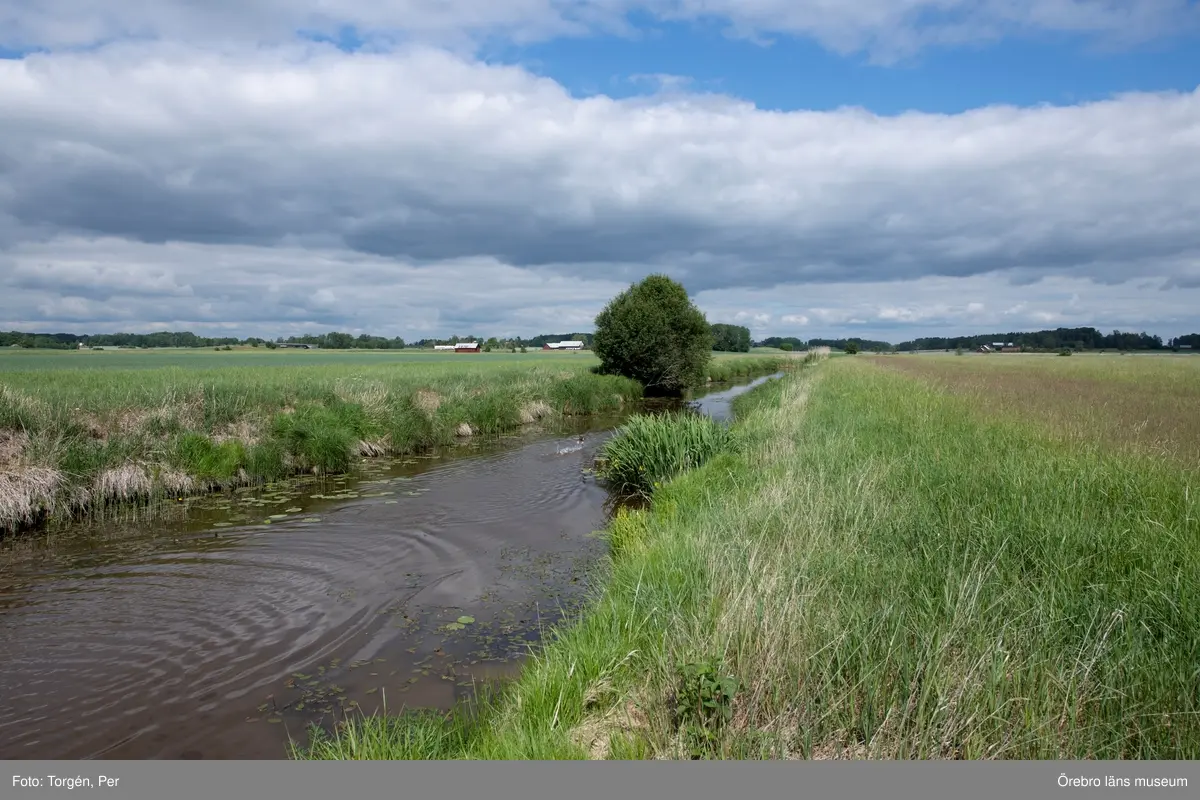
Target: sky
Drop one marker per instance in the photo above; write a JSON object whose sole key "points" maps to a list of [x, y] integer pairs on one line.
{"points": [[885, 169]]}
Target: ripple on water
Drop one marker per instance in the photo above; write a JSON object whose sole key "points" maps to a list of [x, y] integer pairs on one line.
{"points": [[159, 639]]}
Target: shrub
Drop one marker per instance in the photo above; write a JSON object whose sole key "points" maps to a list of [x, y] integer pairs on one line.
{"points": [[787, 347], [653, 334], [852, 348]]}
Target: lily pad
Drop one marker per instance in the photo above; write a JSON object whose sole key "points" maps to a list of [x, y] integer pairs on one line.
{"points": [[292, 510], [277, 516], [465, 620], [455, 626]]}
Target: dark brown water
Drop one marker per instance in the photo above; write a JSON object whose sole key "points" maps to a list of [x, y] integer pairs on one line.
{"points": [[223, 627]]}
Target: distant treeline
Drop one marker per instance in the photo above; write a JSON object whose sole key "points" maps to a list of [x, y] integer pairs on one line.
{"points": [[339, 341], [731, 338], [70, 341], [727, 338], [1057, 339], [334, 340], [834, 344]]}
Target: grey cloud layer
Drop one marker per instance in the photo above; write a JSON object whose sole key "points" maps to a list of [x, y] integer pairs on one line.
{"points": [[885, 28], [424, 156]]}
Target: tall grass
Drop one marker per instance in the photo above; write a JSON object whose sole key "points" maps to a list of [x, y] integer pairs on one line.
{"points": [[877, 570], [651, 449]]}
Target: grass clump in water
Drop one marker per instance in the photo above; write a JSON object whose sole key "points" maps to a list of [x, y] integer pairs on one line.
{"points": [[319, 438], [208, 460], [651, 449], [412, 736]]}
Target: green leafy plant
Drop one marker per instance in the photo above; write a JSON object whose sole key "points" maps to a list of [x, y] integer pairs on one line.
{"points": [[703, 704]]}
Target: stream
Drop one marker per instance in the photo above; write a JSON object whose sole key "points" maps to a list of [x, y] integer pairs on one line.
{"points": [[222, 627]]}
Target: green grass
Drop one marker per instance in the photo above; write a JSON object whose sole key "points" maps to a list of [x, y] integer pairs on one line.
{"points": [[24, 360], [727, 367], [173, 422], [651, 449], [21, 360], [876, 569]]}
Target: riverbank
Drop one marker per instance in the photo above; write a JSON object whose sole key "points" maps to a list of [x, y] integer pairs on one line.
{"points": [[875, 569], [73, 440]]}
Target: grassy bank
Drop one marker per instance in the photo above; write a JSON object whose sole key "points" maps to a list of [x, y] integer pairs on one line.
{"points": [[74, 438], [875, 567]]}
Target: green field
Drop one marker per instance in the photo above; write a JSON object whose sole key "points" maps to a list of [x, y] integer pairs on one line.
{"points": [[21, 360], [901, 557], [82, 429], [24, 360]]}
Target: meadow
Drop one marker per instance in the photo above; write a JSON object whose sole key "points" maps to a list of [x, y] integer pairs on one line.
{"points": [[900, 557], [79, 430], [1137, 404]]}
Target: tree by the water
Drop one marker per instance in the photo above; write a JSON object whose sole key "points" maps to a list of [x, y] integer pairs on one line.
{"points": [[653, 333]]}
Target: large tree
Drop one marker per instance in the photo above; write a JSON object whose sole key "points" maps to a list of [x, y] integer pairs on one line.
{"points": [[653, 333]]}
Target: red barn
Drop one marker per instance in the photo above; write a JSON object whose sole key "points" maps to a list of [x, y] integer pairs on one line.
{"points": [[467, 347]]}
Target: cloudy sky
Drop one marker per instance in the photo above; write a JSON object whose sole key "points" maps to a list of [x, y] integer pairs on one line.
{"points": [[879, 168]]}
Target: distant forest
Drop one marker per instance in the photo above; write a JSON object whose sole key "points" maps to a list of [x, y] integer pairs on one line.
{"points": [[728, 338]]}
